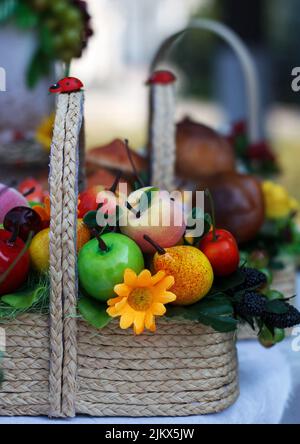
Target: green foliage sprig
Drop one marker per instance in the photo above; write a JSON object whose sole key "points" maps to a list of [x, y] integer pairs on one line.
{"points": [[62, 28]]}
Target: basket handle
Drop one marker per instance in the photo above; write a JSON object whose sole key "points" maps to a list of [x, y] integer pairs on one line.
{"points": [[244, 56], [64, 171]]}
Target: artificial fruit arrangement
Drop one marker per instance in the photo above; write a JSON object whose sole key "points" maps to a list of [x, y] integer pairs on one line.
{"points": [[199, 279]]}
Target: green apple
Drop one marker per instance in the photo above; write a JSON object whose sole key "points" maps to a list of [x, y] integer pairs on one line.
{"points": [[101, 264]]}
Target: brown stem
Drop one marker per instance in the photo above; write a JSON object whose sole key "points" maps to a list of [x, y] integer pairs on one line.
{"points": [[158, 248], [116, 182], [130, 208], [102, 245], [30, 191], [132, 163], [213, 213]]}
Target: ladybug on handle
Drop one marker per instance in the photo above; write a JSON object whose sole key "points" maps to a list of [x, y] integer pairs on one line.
{"points": [[66, 85]]}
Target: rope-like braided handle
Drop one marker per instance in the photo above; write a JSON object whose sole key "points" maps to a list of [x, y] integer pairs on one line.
{"points": [[162, 143], [163, 137], [69, 264], [56, 311], [63, 258]]}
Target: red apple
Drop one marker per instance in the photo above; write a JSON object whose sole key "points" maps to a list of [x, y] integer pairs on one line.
{"points": [[10, 249], [163, 221], [221, 249]]}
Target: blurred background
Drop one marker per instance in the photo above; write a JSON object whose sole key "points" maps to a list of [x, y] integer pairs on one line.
{"points": [[115, 66]]}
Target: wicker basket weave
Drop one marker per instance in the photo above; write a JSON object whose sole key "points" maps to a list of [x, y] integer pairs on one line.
{"points": [[59, 366], [183, 369]]}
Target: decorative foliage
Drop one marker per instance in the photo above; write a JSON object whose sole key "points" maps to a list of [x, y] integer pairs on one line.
{"points": [[34, 298], [256, 158], [63, 30]]}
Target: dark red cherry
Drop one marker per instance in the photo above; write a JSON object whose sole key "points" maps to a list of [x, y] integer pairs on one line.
{"points": [[26, 219]]}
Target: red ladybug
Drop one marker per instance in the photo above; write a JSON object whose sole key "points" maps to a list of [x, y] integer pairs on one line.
{"points": [[66, 85]]}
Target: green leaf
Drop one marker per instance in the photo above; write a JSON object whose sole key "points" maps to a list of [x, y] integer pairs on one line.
{"points": [[276, 306], [93, 312], [22, 300], [25, 16], [222, 324], [228, 282], [39, 66], [214, 310], [216, 304], [90, 219]]}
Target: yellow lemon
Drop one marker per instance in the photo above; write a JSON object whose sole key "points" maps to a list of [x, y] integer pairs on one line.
{"points": [[39, 247], [39, 251], [191, 270]]}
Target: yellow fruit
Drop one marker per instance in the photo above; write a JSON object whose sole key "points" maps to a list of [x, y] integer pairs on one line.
{"points": [[83, 234], [39, 247], [191, 270], [39, 251]]}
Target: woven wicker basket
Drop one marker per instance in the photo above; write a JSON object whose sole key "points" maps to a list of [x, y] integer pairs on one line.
{"points": [[58, 366], [183, 369]]}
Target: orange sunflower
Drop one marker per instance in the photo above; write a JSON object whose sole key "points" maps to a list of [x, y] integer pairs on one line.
{"points": [[140, 298]]}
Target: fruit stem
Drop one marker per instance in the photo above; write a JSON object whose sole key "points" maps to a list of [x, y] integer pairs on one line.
{"points": [[28, 192], [213, 212], [116, 182], [158, 248], [132, 163], [130, 208], [102, 245]]}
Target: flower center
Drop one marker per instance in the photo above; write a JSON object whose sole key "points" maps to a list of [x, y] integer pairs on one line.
{"points": [[140, 299]]}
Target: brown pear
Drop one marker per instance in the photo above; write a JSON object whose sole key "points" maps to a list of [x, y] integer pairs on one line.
{"points": [[201, 151], [239, 203]]}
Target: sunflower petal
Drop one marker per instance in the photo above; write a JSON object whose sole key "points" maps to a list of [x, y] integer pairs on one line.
{"points": [[165, 297], [126, 319], [130, 277], [121, 304], [112, 312], [158, 309], [158, 277], [114, 301], [139, 322], [164, 284], [122, 290], [150, 321], [144, 279]]}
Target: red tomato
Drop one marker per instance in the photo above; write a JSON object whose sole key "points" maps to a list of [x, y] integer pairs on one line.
{"points": [[88, 200], [222, 252]]}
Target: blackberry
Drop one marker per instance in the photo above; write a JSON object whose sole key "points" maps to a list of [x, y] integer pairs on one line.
{"points": [[283, 320], [251, 304], [253, 278]]}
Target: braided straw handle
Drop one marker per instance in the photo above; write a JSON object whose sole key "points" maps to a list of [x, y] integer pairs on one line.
{"points": [[164, 152], [63, 180]]}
